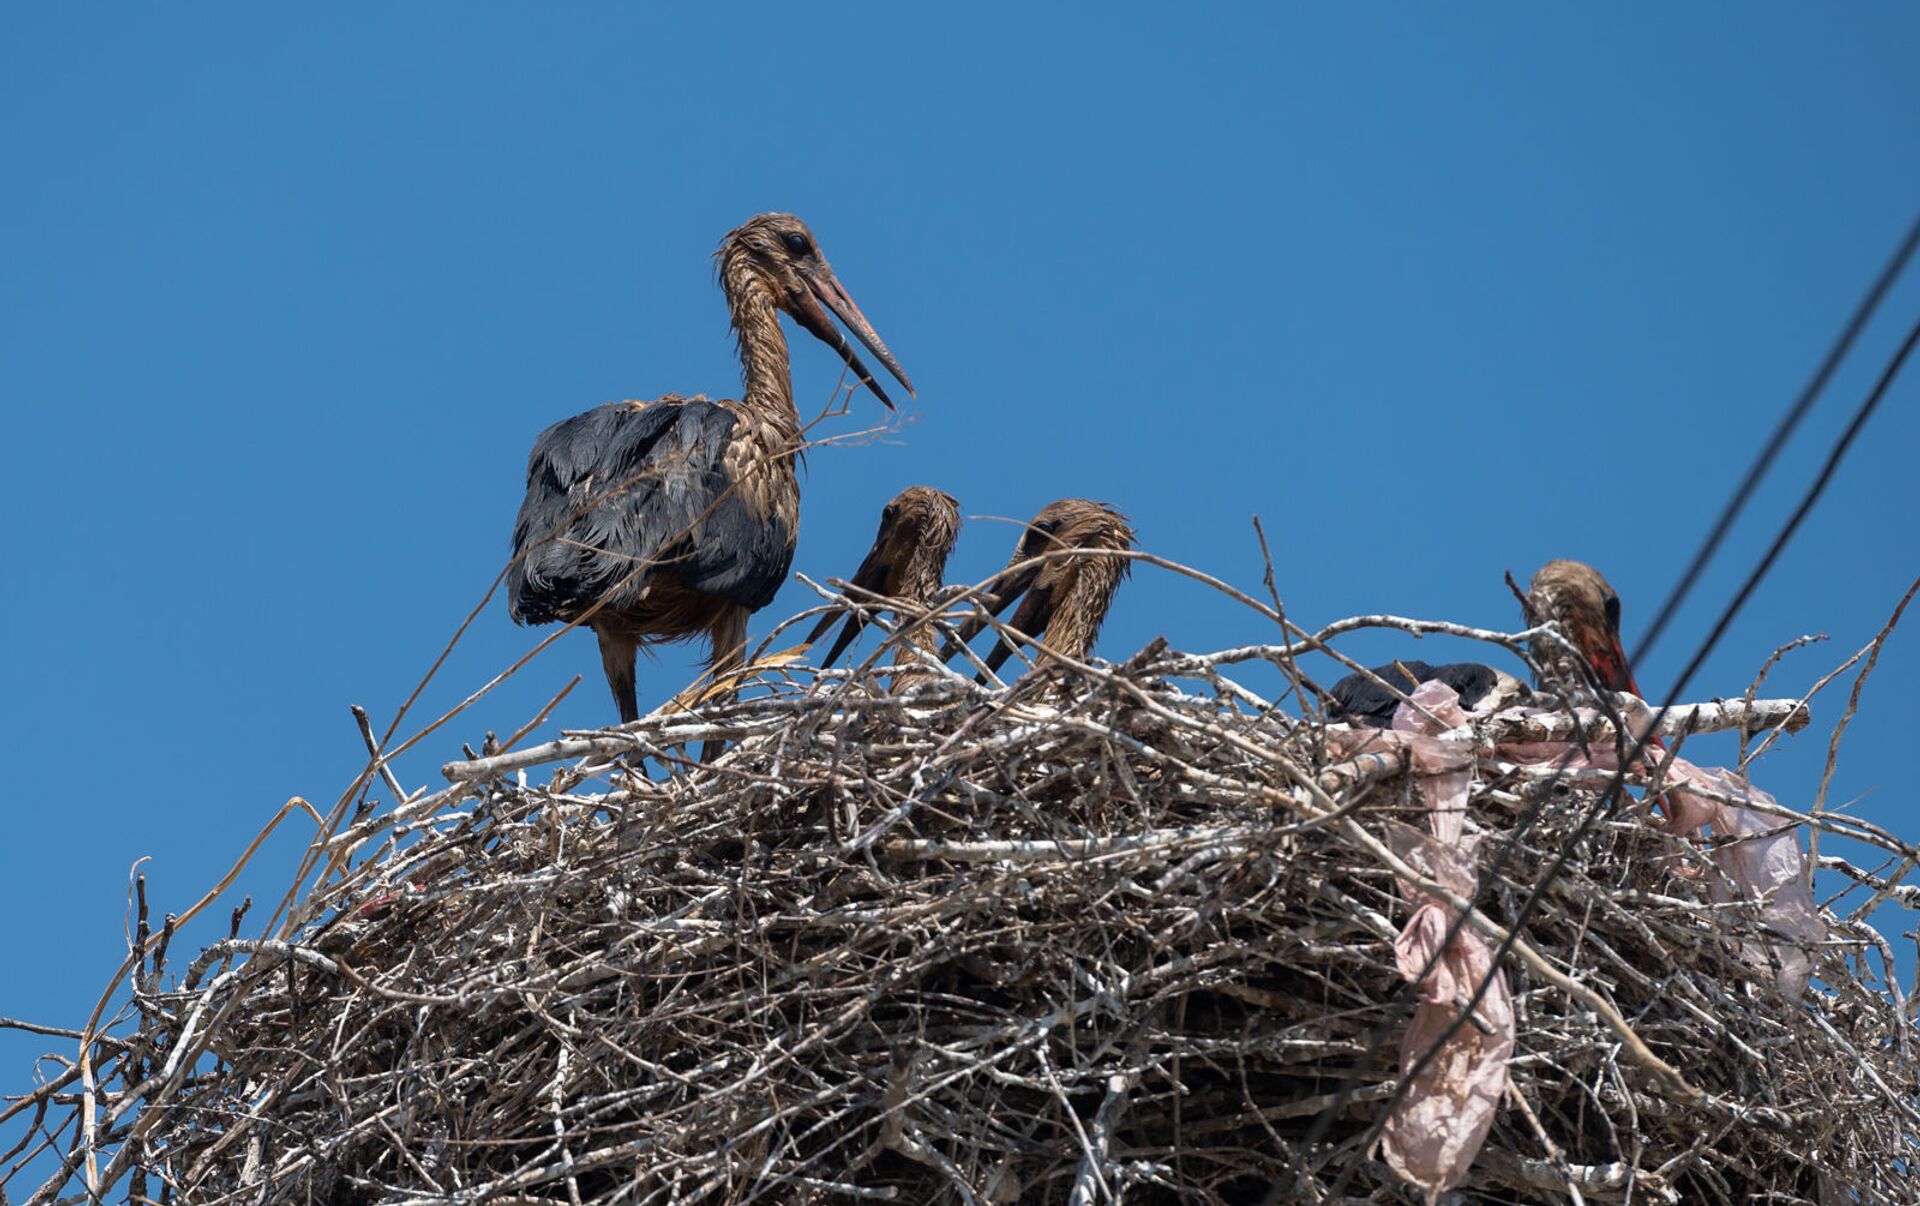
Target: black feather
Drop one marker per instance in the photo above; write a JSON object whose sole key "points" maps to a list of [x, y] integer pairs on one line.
{"points": [[621, 490], [1358, 699]]}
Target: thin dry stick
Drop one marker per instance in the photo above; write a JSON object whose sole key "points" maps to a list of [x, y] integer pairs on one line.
{"points": [[1846, 718]]}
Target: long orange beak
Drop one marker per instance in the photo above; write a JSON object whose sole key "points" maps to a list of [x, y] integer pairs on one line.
{"points": [[825, 290]]}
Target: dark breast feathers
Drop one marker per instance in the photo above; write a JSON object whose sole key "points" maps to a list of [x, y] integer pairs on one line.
{"points": [[627, 489]]}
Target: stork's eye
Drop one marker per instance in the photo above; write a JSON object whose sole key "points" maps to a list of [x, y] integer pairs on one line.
{"points": [[1613, 612], [797, 243], [1039, 536]]}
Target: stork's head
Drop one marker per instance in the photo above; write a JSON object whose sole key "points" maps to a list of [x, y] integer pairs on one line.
{"points": [[908, 558], [917, 532], [1068, 593], [781, 254], [1071, 523], [1587, 610]]}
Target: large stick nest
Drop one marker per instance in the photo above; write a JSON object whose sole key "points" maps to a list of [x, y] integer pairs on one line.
{"points": [[1116, 933]]}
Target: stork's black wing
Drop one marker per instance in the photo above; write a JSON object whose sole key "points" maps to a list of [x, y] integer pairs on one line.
{"points": [[623, 489], [1360, 700]]}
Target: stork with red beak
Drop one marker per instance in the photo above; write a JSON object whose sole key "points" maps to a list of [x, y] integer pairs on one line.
{"points": [[1575, 598], [1572, 596]]}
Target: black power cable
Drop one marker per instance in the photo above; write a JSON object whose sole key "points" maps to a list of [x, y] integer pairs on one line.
{"points": [[1812, 496], [1841, 346]]}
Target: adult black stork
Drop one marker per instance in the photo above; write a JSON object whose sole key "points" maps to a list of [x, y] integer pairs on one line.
{"points": [[907, 562], [1064, 572], [1571, 594], [676, 518]]}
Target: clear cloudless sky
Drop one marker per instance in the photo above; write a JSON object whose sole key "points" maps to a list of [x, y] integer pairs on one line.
{"points": [[286, 293]]}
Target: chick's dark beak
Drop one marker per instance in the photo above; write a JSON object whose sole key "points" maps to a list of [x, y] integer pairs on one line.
{"points": [[1000, 592], [871, 577], [848, 631], [1030, 618]]}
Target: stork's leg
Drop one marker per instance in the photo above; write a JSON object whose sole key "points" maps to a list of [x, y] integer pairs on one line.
{"points": [[729, 634], [616, 658]]}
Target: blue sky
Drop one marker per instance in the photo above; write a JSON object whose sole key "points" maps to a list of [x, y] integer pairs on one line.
{"points": [[287, 295]]}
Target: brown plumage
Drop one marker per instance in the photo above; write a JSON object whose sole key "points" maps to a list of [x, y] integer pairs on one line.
{"points": [[1063, 598], [1586, 609], [907, 562], [672, 519]]}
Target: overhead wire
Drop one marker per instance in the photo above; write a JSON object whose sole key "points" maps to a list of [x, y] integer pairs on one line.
{"points": [[1782, 432], [1834, 456]]}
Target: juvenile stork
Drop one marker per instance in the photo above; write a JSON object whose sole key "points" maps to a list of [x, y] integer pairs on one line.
{"points": [[907, 562], [1571, 594], [1064, 597], [676, 518]]}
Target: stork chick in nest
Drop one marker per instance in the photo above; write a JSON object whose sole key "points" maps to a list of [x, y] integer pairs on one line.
{"points": [[1064, 572], [907, 563]]}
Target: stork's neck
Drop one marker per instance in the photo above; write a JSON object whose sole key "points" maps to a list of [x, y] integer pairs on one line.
{"points": [[763, 345]]}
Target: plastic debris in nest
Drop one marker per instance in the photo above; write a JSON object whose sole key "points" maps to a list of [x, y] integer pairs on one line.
{"points": [[1456, 1069]]}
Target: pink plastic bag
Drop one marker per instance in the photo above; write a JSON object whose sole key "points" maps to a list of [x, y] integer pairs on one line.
{"points": [[1438, 1126]]}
